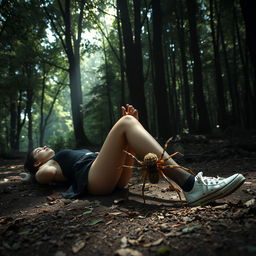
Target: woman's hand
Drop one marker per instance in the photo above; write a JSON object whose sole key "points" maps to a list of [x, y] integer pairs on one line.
{"points": [[130, 110]]}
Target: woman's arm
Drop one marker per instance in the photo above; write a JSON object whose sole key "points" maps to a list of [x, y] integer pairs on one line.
{"points": [[46, 174]]}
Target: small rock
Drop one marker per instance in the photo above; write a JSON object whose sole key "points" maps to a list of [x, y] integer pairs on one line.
{"points": [[127, 252]]}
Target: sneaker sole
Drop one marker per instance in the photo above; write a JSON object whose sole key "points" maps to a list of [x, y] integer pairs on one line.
{"points": [[223, 192]]}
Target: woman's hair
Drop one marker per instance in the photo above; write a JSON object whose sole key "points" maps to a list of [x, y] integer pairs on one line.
{"points": [[29, 163]]}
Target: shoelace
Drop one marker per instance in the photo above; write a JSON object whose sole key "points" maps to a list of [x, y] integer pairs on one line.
{"points": [[208, 180]]}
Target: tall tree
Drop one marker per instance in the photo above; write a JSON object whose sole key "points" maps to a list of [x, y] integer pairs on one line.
{"points": [[163, 117], [203, 122], [20, 40], [179, 11], [248, 10], [69, 33], [221, 109], [133, 56], [44, 119]]}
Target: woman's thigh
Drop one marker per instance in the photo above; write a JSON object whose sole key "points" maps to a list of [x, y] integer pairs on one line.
{"points": [[106, 170]]}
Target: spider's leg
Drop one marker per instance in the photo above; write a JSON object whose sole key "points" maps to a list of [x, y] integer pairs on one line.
{"points": [[170, 183], [177, 166], [133, 167], [172, 155], [134, 157], [165, 147], [137, 182], [143, 186]]}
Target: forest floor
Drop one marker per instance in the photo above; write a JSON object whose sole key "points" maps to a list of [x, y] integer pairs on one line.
{"points": [[36, 220]]}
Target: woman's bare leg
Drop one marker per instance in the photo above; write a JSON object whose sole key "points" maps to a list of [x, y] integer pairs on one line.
{"points": [[106, 171]]}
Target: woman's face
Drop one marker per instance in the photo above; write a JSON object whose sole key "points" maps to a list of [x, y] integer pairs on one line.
{"points": [[43, 154]]}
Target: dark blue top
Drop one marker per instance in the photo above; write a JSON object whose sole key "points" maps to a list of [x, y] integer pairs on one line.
{"points": [[75, 166], [67, 158]]}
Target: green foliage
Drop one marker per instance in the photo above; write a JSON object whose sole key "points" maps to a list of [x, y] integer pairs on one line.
{"points": [[61, 141]]}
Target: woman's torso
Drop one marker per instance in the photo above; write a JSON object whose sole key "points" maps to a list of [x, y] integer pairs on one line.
{"points": [[64, 162]]}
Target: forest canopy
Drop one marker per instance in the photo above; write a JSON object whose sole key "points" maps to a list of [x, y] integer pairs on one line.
{"points": [[66, 67]]}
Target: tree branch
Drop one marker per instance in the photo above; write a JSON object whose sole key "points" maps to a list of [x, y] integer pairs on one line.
{"points": [[106, 37], [54, 27], [55, 65]]}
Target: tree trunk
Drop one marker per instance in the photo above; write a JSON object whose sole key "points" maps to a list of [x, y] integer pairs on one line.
{"points": [[204, 122], [44, 119], [20, 122], [169, 65], [121, 56], [150, 90], [221, 109], [108, 88], [30, 120], [73, 54], [248, 10], [182, 45], [174, 101], [235, 118], [163, 117], [247, 93], [77, 103], [41, 126], [133, 58], [237, 97], [13, 123]]}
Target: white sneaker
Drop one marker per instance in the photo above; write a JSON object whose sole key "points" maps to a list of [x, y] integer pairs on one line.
{"points": [[207, 189]]}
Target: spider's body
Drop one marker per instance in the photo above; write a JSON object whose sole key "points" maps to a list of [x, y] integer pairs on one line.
{"points": [[150, 161], [153, 167]]}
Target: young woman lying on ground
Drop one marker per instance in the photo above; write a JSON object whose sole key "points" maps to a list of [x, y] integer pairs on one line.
{"points": [[100, 173]]}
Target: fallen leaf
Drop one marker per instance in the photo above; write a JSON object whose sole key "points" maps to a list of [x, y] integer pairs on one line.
{"points": [[250, 202], [164, 251], [155, 243], [124, 242], [109, 222], [178, 224], [189, 229], [51, 198], [87, 212], [112, 214], [173, 234], [130, 213], [94, 222], [223, 206], [78, 246], [136, 241]]}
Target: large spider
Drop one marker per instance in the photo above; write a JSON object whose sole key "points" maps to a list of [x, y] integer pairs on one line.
{"points": [[153, 168]]}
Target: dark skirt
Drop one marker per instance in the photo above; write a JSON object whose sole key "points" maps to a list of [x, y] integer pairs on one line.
{"points": [[79, 178]]}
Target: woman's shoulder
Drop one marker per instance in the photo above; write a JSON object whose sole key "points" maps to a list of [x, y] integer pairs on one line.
{"points": [[46, 173]]}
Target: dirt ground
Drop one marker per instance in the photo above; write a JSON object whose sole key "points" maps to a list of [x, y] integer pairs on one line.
{"points": [[36, 220]]}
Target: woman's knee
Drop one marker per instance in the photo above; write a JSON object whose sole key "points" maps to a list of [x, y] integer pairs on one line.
{"points": [[128, 121]]}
